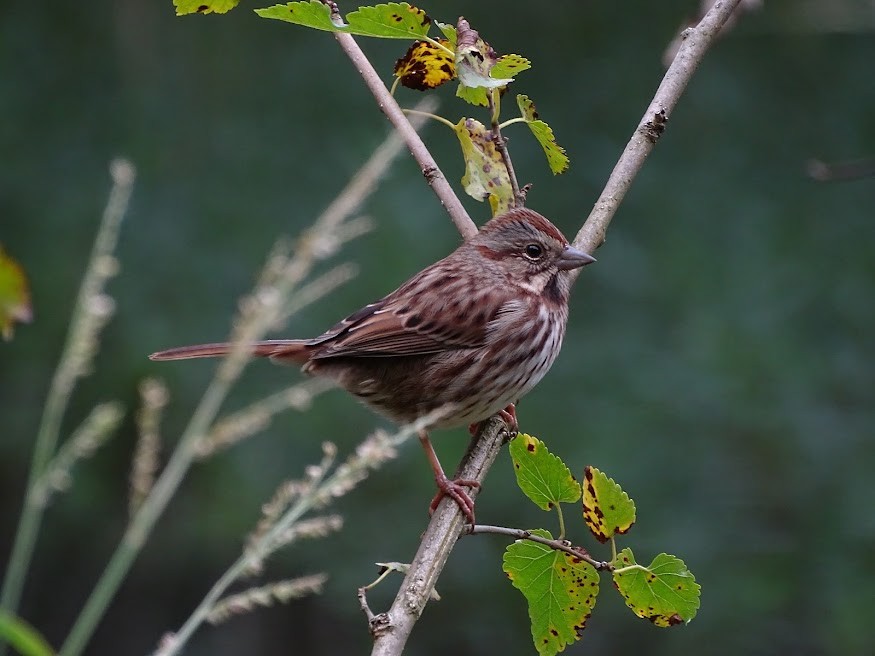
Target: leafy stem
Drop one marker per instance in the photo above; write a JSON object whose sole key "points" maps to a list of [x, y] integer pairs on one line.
{"points": [[439, 119], [561, 522], [511, 121]]}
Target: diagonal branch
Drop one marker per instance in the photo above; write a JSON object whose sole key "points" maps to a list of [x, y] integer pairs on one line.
{"points": [[387, 103], [391, 629]]}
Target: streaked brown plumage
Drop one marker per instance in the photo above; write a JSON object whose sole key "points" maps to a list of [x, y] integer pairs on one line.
{"points": [[473, 332]]}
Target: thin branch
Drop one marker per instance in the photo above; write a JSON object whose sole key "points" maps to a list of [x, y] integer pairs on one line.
{"points": [[433, 175], [558, 545], [519, 197], [694, 45], [447, 522]]}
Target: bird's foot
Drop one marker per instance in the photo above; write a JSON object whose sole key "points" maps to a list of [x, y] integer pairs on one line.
{"points": [[455, 489]]}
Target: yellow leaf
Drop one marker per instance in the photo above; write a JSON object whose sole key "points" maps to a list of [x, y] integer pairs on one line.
{"points": [[425, 66]]}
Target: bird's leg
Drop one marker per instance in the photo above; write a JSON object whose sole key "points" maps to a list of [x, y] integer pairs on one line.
{"points": [[453, 488], [508, 415]]}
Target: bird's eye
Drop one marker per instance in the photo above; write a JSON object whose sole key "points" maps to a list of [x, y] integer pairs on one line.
{"points": [[533, 252]]}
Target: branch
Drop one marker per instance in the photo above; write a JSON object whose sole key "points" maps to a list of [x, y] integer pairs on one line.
{"points": [[558, 545], [695, 42], [391, 629], [519, 195], [387, 103]]}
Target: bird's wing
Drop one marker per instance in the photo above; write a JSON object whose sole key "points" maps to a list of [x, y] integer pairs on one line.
{"points": [[417, 319]]}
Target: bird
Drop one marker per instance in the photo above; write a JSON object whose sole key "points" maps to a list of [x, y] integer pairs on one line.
{"points": [[471, 333]]}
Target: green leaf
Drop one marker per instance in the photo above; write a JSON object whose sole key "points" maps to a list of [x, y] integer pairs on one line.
{"points": [[508, 66], [449, 31], [486, 175], [185, 7], [666, 592], [309, 14], [14, 295], [560, 589], [396, 20], [22, 636], [556, 157], [607, 509], [473, 95], [542, 476]]}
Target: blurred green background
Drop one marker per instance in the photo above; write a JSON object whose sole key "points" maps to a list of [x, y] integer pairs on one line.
{"points": [[720, 360]]}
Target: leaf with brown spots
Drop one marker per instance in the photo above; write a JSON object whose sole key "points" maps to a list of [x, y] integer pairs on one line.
{"points": [[666, 592], [607, 510], [542, 476], [560, 589], [485, 176], [14, 295], [185, 7], [556, 157], [395, 20], [313, 14], [425, 66]]}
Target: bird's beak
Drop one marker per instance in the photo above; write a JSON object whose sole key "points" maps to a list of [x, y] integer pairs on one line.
{"points": [[573, 258]]}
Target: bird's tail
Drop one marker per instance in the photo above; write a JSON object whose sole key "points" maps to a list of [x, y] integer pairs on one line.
{"points": [[294, 350]]}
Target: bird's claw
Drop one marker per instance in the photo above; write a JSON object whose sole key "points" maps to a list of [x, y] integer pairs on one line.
{"points": [[455, 489]]}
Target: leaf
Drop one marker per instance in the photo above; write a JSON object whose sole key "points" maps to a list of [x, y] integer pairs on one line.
{"points": [[22, 636], [607, 510], [560, 589], [556, 157], [396, 20], [478, 67], [312, 14], [542, 476], [473, 95], [475, 59], [508, 66], [449, 31], [425, 66], [666, 592], [14, 295], [485, 173], [185, 7]]}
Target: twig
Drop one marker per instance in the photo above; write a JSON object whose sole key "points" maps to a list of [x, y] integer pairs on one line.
{"points": [[519, 196], [558, 545], [446, 524], [433, 175], [695, 43]]}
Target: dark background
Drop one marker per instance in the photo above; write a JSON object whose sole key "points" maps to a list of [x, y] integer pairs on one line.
{"points": [[719, 360]]}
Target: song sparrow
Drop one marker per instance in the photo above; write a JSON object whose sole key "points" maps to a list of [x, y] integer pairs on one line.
{"points": [[473, 333]]}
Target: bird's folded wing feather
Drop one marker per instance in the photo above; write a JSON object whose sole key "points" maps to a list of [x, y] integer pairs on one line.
{"points": [[396, 326]]}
